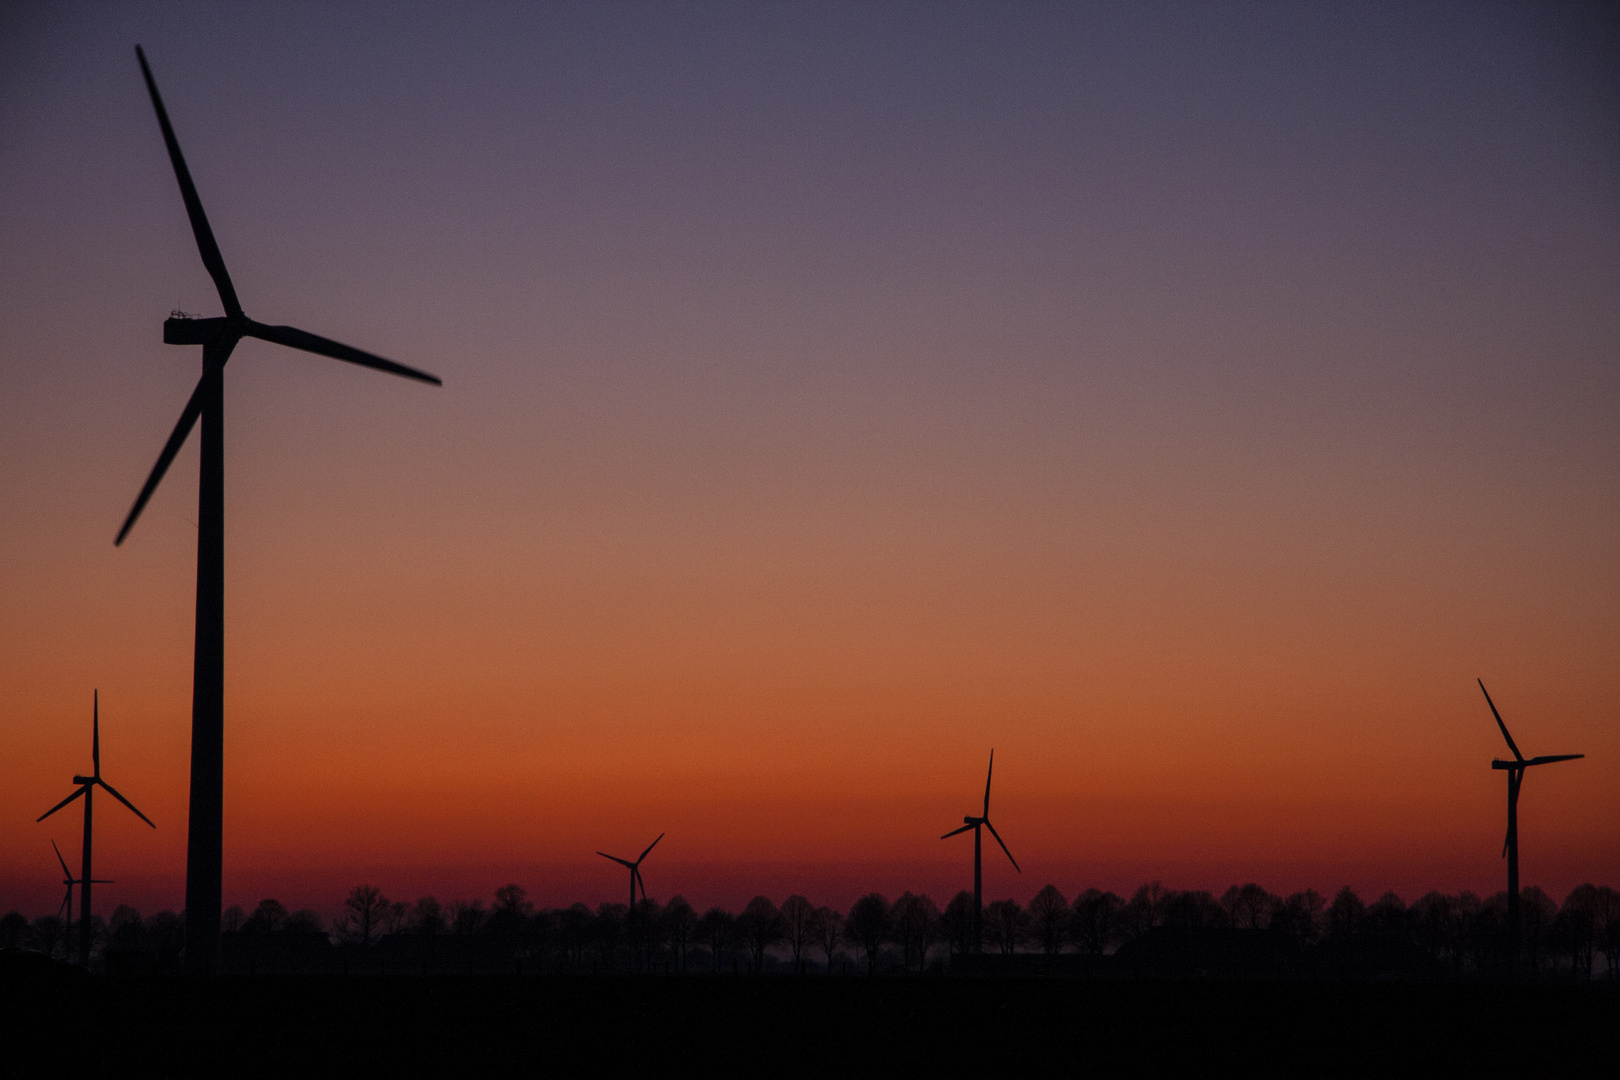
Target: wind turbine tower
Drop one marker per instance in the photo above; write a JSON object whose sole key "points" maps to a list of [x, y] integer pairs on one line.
{"points": [[87, 787], [1510, 846], [976, 823], [217, 336], [635, 871], [65, 912]]}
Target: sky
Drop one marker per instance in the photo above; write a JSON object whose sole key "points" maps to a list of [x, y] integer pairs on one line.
{"points": [[1188, 402]]}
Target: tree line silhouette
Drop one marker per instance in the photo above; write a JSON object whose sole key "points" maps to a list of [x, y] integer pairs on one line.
{"points": [[1246, 931]]}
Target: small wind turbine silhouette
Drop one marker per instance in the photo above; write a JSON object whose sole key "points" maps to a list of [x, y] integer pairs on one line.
{"points": [[974, 823], [87, 786], [635, 871], [65, 912], [1510, 846], [217, 336]]}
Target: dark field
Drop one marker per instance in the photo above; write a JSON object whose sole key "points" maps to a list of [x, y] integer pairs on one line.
{"points": [[783, 1025]]}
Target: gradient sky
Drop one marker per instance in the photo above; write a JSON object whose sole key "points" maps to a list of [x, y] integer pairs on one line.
{"points": [[1188, 401]]}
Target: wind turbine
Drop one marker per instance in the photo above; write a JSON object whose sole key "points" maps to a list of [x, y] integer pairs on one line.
{"points": [[635, 871], [1510, 846], [218, 336], [65, 912], [974, 823], [87, 787]]}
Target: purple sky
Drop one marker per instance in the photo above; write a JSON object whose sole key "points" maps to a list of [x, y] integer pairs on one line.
{"points": [[800, 361]]}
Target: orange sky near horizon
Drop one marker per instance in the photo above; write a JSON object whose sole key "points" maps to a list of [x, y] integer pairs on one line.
{"points": [[794, 453]]}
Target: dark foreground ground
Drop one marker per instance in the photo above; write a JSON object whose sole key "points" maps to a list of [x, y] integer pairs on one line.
{"points": [[557, 1025]]}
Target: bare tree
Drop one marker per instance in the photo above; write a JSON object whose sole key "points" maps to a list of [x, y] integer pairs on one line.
{"points": [[1049, 919], [1193, 909], [607, 928], [270, 915], [1005, 924], [1536, 913], [394, 916], [467, 917], [574, 932], [1093, 921], [427, 917], [509, 918], [926, 929], [717, 927], [1387, 918], [232, 918], [125, 930], [1249, 907], [827, 931], [1143, 912], [956, 923], [761, 927], [1576, 929], [305, 921], [13, 930], [646, 929], [915, 919], [1608, 928], [512, 900], [680, 924], [868, 926], [363, 912], [47, 933], [796, 912], [1345, 915], [1433, 921]]}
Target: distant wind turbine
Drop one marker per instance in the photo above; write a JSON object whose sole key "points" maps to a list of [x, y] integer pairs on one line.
{"points": [[1510, 846], [974, 823], [87, 787], [635, 871], [205, 834], [65, 912]]}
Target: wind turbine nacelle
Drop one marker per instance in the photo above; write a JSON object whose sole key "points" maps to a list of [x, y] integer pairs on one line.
{"points": [[1498, 763], [191, 331], [84, 780]]}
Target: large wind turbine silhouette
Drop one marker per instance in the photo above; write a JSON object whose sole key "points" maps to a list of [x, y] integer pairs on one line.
{"points": [[65, 912], [635, 871], [974, 823], [205, 828], [87, 787], [1510, 846]]}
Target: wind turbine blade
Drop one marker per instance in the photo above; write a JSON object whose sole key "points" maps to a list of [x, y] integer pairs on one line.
{"points": [[294, 338], [95, 734], [1498, 716], [177, 439], [615, 858], [1548, 759], [82, 789], [987, 774], [636, 871], [997, 835], [114, 793], [953, 832], [61, 860], [206, 246], [649, 848]]}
